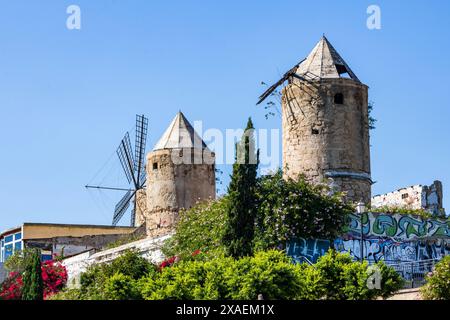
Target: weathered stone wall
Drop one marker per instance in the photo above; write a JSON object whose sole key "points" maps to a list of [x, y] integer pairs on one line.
{"points": [[141, 207], [323, 139], [415, 197], [176, 179], [50, 230], [69, 246]]}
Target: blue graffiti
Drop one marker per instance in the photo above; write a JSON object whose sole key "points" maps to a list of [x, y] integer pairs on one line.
{"points": [[310, 249]]}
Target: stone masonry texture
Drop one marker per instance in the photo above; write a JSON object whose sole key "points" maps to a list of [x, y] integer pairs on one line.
{"points": [[174, 184], [327, 141]]}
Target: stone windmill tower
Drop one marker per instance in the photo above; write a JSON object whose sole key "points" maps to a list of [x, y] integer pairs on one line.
{"points": [[180, 172], [325, 123]]}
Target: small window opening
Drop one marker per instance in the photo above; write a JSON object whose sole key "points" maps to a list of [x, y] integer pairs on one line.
{"points": [[155, 166], [339, 98], [342, 70], [405, 195], [314, 131]]}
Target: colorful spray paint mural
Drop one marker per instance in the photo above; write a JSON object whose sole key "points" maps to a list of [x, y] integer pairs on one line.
{"points": [[393, 238], [399, 227]]}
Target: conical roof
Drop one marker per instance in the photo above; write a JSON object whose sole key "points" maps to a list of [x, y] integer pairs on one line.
{"points": [[324, 62], [180, 134]]}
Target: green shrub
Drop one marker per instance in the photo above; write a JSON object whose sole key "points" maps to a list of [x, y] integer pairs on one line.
{"points": [[335, 276], [312, 284], [129, 264], [438, 282], [341, 278], [121, 287], [391, 281], [269, 273], [189, 280]]}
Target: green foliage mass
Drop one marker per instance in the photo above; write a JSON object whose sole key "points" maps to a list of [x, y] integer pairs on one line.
{"points": [[33, 286], [270, 273], [121, 287], [290, 209], [111, 275], [241, 210], [341, 278], [438, 282]]}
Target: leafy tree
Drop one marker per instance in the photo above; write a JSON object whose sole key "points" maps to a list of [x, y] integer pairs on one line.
{"points": [[241, 211], [33, 286]]}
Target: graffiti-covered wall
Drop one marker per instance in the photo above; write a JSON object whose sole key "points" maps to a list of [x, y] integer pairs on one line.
{"points": [[393, 238]]}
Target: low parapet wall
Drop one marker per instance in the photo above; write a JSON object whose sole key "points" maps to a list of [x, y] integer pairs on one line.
{"points": [[148, 248]]}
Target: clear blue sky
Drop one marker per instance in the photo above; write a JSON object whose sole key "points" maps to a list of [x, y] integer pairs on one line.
{"points": [[67, 97]]}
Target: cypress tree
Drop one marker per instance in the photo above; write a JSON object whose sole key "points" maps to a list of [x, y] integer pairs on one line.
{"points": [[33, 286], [239, 231]]}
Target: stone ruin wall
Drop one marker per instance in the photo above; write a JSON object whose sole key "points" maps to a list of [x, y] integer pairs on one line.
{"points": [[173, 186], [322, 139], [415, 197]]}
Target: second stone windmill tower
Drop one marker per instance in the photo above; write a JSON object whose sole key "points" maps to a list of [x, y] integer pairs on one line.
{"points": [[180, 173], [326, 123]]}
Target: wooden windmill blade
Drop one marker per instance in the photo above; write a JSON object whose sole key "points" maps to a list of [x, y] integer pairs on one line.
{"points": [[140, 144], [133, 165], [122, 206], [139, 163], [133, 217], [125, 155]]}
